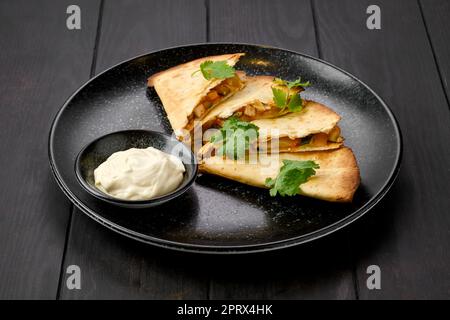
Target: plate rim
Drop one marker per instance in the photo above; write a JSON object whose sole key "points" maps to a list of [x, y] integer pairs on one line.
{"points": [[229, 249]]}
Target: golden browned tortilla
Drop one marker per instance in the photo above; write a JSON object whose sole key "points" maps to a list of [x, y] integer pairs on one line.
{"points": [[315, 122], [255, 101], [335, 181], [258, 88], [181, 88]]}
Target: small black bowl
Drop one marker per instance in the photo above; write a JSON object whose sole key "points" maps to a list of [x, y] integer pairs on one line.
{"points": [[96, 152]]}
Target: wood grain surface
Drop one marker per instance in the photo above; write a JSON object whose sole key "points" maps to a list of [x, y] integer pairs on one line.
{"points": [[407, 235], [114, 267], [42, 63], [294, 274], [436, 16]]}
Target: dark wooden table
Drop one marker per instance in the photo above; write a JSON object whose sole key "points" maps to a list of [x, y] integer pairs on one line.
{"points": [[407, 235]]}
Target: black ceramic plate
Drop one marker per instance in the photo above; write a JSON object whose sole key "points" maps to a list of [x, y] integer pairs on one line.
{"points": [[218, 215]]}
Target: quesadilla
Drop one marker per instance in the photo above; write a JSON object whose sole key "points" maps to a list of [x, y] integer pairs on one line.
{"points": [[336, 180], [313, 128], [187, 96], [255, 101]]}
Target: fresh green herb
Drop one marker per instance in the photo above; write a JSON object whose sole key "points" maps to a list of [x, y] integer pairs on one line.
{"points": [[283, 99], [235, 138], [279, 97], [295, 103], [292, 84], [216, 70], [292, 174]]}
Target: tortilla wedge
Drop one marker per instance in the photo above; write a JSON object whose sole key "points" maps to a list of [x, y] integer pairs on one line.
{"points": [[184, 91], [255, 101], [335, 181], [313, 128]]}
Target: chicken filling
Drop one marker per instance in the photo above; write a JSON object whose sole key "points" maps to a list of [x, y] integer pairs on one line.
{"points": [[314, 140], [215, 95]]}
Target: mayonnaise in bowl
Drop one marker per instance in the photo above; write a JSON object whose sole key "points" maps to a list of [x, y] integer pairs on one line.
{"points": [[139, 174]]}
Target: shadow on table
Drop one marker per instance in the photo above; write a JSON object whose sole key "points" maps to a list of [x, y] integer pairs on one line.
{"points": [[325, 268], [117, 267]]}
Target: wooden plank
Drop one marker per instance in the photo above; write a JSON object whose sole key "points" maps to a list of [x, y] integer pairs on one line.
{"points": [[436, 14], [288, 23], [42, 63], [115, 267], [321, 270], [131, 28], [112, 266], [407, 235]]}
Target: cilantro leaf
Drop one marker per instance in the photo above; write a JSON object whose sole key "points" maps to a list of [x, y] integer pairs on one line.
{"points": [[292, 84], [279, 97], [298, 83], [295, 103], [284, 99], [235, 138], [216, 70], [292, 174]]}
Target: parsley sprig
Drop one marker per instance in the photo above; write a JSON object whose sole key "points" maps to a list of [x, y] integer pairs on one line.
{"points": [[284, 99], [216, 70], [235, 138], [292, 174]]}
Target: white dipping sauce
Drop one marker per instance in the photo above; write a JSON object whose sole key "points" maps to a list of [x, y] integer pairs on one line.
{"points": [[139, 174]]}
